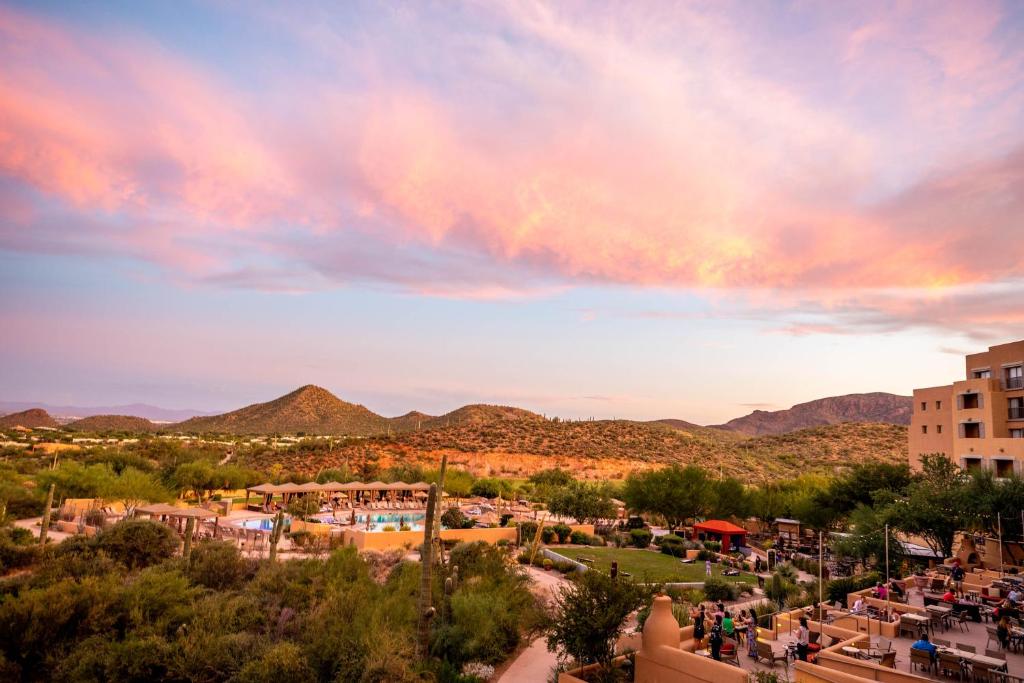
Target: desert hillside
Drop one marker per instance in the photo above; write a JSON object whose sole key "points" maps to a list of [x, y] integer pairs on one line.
{"points": [[307, 410], [111, 423], [32, 418], [610, 449], [873, 407]]}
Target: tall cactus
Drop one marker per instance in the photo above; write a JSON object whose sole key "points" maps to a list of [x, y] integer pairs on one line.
{"points": [[426, 607], [46, 516], [275, 534], [190, 530]]}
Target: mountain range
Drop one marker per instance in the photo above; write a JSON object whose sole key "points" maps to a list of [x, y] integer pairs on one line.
{"points": [[313, 410], [65, 413]]}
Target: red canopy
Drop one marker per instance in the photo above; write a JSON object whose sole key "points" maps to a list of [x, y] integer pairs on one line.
{"points": [[720, 526]]}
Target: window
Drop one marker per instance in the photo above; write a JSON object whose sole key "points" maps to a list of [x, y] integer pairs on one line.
{"points": [[938, 429], [972, 430], [924, 429], [1004, 468], [924, 406], [970, 401], [1015, 377], [1017, 433], [972, 464], [938, 405], [1016, 405], [982, 374]]}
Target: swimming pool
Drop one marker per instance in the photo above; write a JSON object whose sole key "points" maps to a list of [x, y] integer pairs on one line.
{"points": [[378, 520]]}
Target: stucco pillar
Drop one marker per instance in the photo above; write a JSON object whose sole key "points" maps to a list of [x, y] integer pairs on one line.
{"points": [[661, 628]]}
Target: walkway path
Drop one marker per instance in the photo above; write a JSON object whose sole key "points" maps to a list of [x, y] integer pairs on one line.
{"points": [[535, 664]]}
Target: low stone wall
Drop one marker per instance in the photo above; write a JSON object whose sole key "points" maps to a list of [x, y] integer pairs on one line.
{"points": [[383, 540]]}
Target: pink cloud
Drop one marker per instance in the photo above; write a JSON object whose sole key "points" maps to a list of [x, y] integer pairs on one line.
{"points": [[636, 158]]}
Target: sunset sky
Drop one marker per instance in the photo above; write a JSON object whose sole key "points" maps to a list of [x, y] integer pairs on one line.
{"points": [[625, 209]]}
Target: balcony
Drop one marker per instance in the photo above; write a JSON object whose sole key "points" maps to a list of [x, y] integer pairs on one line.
{"points": [[1016, 412], [1010, 383]]}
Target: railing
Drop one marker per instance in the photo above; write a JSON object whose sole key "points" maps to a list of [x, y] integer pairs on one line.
{"points": [[1013, 383], [1016, 412]]}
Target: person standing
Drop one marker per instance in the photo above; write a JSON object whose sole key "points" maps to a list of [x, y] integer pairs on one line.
{"points": [[803, 639], [956, 574], [715, 638], [707, 567], [699, 627]]}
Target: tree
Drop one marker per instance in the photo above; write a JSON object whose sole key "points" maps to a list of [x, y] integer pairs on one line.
{"points": [[935, 506], [488, 488], [454, 519], [134, 488], [303, 506], [730, 499], [995, 504], [586, 503], [676, 493], [589, 614]]}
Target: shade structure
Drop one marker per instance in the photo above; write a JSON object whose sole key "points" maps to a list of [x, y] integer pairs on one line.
{"points": [[375, 486], [309, 487], [289, 487], [397, 486], [264, 489], [158, 509], [420, 486], [728, 533], [333, 486], [353, 486], [198, 513]]}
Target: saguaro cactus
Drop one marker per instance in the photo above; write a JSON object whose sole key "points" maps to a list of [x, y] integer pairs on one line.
{"points": [[46, 516], [275, 534], [190, 530], [426, 607]]}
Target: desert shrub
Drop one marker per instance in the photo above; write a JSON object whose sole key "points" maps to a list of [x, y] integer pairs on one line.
{"points": [[388, 527], [505, 519], [16, 551], [548, 564], [217, 565], [95, 518], [578, 538], [780, 590], [527, 530], [641, 538], [837, 589], [137, 543], [673, 545], [743, 587], [717, 589], [548, 535], [704, 555], [565, 566], [713, 546], [302, 538], [453, 518], [280, 663], [563, 532]]}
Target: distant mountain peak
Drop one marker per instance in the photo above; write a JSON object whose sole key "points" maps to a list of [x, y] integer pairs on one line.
{"points": [[870, 407], [33, 418]]}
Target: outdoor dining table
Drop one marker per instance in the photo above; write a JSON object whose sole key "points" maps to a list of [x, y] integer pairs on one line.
{"points": [[975, 658]]}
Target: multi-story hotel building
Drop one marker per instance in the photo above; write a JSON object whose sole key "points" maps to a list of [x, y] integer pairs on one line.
{"points": [[978, 422]]}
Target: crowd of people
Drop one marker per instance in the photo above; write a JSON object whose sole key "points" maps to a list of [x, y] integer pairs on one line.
{"points": [[715, 625]]}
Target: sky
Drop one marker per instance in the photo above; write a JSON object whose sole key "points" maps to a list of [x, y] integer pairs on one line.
{"points": [[639, 210]]}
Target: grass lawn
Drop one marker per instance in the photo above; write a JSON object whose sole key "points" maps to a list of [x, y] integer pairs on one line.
{"points": [[647, 565]]}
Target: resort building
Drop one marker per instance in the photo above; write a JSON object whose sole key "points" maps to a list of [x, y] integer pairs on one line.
{"points": [[978, 421]]}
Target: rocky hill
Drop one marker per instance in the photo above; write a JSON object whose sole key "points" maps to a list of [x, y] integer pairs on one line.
{"points": [[874, 407], [33, 418], [307, 410], [610, 449], [112, 423], [480, 413]]}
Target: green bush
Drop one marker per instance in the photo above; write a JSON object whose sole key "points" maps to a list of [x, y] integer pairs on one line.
{"points": [[563, 532], [641, 538], [548, 535], [137, 543], [505, 519], [838, 589], [527, 531], [713, 546], [578, 538], [218, 565], [453, 518], [704, 555], [14, 552], [673, 545], [547, 563], [717, 589]]}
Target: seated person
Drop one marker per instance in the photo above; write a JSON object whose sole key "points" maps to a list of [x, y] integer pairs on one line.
{"points": [[881, 592], [896, 589], [858, 604], [949, 597], [1014, 595], [927, 646]]}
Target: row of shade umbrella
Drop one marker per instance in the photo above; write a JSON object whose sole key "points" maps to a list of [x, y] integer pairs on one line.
{"points": [[332, 486]]}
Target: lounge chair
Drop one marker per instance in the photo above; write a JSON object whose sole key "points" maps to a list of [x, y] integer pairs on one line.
{"points": [[766, 652]]}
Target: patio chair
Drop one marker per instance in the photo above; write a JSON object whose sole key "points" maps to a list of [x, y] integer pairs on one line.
{"points": [[888, 660], [993, 636], [964, 647], [766, 652], [921, 659], [995, 654], [884, 644], [961, 619], [950, 665], [908, 628], [984, 673]]}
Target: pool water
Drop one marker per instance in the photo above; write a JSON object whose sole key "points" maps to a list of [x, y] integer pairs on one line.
{"points": [[378, 520]]}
